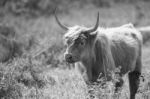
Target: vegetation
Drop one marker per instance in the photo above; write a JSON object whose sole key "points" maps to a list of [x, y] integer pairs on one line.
{"points": [[41, 72]]}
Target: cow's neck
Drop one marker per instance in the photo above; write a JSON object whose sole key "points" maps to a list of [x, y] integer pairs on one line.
{"points": [[93, 65]]}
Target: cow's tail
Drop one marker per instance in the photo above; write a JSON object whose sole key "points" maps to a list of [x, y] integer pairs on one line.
{"points": [[145, 31]]}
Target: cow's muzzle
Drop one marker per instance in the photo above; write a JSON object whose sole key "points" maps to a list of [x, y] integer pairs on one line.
{"points": [[69, 58]]}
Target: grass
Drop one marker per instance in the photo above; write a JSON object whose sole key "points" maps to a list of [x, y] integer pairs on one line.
{"points": [[45, 75]]}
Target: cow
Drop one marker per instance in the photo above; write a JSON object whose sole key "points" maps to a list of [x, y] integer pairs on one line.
{"points": [[98, 50]]}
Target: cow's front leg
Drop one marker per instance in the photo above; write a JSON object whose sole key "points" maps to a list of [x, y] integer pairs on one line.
{"points": [[87, 76]]}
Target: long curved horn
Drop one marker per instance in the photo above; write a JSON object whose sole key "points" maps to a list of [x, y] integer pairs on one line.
{"points": [[96, 25], [59, 23]]}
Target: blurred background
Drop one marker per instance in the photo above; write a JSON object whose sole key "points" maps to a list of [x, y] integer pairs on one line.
{"points": [[34, 24], [31, 23]]}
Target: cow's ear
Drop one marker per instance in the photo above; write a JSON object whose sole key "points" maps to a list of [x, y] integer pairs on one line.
{"points": [[93, 34], [90, 35]]}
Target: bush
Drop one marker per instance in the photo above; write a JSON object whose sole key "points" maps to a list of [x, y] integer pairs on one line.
{"points": [[18, 75]]}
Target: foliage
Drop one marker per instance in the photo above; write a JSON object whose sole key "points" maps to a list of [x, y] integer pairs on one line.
{"points": [[36, 8], [16, 76]]}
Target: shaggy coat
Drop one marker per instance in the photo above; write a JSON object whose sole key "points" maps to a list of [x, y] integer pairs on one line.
{"points": [[105, 49]]}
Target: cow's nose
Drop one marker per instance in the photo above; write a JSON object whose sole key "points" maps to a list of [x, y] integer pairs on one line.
{"points": [[68, 57]]}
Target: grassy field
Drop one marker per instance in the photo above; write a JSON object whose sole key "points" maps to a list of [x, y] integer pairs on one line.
{"points": [[43, 74]]}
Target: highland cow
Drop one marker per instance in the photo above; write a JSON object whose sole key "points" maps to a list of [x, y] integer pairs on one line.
{"points": [[100, 50]]}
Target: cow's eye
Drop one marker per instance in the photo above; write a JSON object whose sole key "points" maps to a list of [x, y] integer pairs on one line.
{"points": [[82, 43]]}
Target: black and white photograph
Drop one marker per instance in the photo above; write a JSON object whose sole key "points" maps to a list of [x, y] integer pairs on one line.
{"points": [[74, 49]]}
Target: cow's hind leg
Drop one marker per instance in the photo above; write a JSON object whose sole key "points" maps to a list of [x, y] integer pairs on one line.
{"points": [[134, 77], [133, 83]]}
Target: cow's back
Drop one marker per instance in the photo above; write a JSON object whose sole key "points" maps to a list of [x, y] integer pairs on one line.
{"points": [[125, 46]]}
